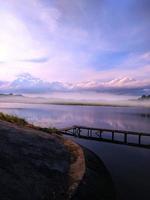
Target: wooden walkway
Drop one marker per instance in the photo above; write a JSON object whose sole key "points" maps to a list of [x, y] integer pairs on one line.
{"points": [[129, 138]]}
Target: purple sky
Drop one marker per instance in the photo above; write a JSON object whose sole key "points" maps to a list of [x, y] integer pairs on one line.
{"points": [[77, 41]]}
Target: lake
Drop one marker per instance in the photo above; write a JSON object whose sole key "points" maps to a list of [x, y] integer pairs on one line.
{"points": [[128, 166]]}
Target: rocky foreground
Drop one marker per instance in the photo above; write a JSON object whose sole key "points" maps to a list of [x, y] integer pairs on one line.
{"points": [[33, 165], [38, 166]]}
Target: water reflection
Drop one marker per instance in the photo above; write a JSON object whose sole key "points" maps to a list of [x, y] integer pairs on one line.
{"points": [[128, 166], [124, 118]]}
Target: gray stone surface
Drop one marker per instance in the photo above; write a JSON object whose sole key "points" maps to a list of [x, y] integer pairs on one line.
{"points": [[33, 165]]}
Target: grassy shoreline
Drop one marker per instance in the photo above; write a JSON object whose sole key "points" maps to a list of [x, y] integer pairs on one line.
{"points": [[86, 104], [13, 119], [22, 122]]}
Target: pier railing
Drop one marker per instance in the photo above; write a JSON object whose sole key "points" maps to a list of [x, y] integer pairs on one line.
{"points": [[130, 138]]}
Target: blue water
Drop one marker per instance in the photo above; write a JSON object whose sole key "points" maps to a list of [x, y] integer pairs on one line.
{"points": [[128, 166]]}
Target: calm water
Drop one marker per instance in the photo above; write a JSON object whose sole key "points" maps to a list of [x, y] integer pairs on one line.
{"points": [[129, 166]]}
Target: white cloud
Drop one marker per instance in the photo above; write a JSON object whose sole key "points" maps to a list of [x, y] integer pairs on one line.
{"points": [[69, 34]]}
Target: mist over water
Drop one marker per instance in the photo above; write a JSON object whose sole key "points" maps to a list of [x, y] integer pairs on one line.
{"points": [[124, 118], [95, 98]]}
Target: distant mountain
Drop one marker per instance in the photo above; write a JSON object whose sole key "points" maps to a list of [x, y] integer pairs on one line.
{"points": [[121, 81], [3, 84], [11, 94], [26, 83]]}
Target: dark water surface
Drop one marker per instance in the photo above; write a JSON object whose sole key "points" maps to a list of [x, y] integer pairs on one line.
{"points": [[128, 166]]}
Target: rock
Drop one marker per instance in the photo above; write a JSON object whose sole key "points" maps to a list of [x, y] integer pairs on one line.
{"points": [[33, 165]]}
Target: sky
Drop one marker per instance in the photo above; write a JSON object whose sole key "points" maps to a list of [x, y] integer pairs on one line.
{"points": [[76, 41]]}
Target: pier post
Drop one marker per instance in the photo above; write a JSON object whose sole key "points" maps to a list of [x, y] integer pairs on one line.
{"points": [[100, 134], [90, 132], [125, 138], [74, 130], [113, 135], [78, 132], [140, 139]]}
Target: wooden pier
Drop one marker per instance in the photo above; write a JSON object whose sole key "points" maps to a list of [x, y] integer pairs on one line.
{"points": [[130, 138]]}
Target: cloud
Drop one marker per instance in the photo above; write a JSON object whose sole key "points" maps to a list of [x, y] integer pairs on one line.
{"points": [[74, 41], [36, 60]]}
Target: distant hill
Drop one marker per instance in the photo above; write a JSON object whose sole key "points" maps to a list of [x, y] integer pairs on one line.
{"points": [[145, 97], [11, 94]]}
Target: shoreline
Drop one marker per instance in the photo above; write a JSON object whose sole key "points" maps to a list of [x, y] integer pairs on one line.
{"points": [[97, 182], [138, 104]]}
